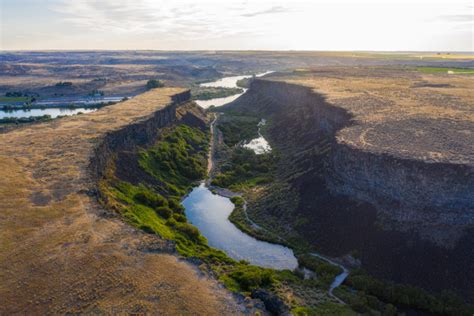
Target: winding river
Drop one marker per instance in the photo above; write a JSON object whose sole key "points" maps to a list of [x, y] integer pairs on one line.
{"points": [[226, 82], [210, 212]]}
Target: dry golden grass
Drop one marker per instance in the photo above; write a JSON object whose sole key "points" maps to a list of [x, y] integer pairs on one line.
{"points": [[58, 255], [400, 111]]}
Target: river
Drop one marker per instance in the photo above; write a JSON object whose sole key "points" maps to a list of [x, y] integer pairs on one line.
{"points": [[58, 106], [53, 112], [226, 82], [209, 212]]}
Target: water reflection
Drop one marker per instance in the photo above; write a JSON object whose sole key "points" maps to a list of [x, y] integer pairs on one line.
{"points": [[209, 212], [53, 112]]}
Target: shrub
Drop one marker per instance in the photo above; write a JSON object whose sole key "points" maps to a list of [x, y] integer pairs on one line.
{"points": [[63, 84], [153, 83], [150, 199], [164, 211], [147, 229], [175, 205], [171, 222], [252, 277], [237, 200], [189, 230], [179, 217]]}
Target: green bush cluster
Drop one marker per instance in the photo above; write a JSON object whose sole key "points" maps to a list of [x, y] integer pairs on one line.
{"points": [[372, 290], [154, 83], [237, 129], [150, 198], [64, 84], [21, 120], [189, 230], [325, 271], [164, 212], [245, 168], [178, 159], [251, 277]]}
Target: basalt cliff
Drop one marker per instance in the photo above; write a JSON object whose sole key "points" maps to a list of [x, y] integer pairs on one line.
{"points": [[381, 169]]}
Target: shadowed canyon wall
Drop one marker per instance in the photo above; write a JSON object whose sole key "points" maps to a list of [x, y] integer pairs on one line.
{"points": [[408, 220]]}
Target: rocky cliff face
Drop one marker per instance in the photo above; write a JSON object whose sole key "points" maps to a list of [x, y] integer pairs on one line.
{"points": [[141, 133], [407, 191], [410, 220], [435, 199]]}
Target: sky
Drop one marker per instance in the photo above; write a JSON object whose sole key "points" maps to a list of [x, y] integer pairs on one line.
{"points": [[381, 25]]}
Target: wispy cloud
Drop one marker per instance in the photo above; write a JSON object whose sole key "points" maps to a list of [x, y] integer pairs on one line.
{"points": [[272, 10], [183, 19], [458, 18]]}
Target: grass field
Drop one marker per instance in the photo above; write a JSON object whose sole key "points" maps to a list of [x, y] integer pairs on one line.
{"points": [[14, 99], [461, 71]]}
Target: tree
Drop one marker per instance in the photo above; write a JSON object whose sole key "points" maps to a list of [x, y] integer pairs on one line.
{"points": [[154, 83]]}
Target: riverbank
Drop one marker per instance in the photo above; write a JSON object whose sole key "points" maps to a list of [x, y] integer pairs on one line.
{"points": [[239, 216]]}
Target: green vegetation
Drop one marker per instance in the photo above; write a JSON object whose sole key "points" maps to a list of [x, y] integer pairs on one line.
{"points": [[371, 292], [14, 99], [63, 84], [446, 70], [238, 128], [22, 120], [252, 277], [326, 272], [178, 159], [154, 83], [207, 93], [239, 218], [245, 169], [245, 82], [326, 309]]}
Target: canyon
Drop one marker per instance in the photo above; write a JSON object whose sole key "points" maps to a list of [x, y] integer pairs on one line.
{"points": [[375, 170], [379, 167]]}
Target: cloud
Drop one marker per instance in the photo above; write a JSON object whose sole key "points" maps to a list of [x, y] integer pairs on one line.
{"points": [[183, 19], [272, 10], [458, 18]]}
